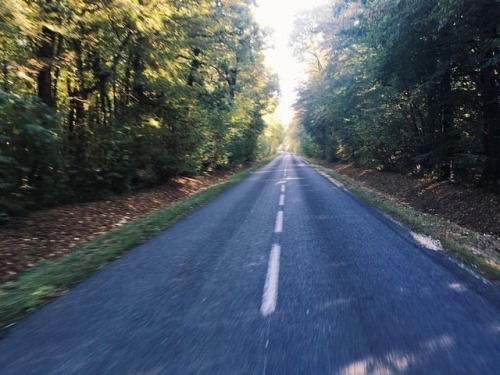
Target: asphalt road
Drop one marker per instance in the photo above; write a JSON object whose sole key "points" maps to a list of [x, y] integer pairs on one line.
{"points": [[283, 274]]}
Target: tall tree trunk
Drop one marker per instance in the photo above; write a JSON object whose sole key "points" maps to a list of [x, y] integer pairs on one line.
{"points": [[195, 64], [447, 137], [57, 71], [79, 96], [138, 89], [77, 127], [45, 54], [491, 125], [128, 81], [489, 82]]}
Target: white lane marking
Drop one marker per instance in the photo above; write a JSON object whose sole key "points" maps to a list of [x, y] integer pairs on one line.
{"points": [[270, 295], [286, 169], [278, 227], [282, 188], [282, 200]]}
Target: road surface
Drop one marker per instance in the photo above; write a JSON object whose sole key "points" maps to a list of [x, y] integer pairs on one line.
{"points": [[285, 273]]}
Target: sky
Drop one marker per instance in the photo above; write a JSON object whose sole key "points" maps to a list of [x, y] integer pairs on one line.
{"points": [[279, 15]]}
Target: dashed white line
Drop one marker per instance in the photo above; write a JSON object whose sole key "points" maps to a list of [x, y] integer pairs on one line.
{"points": [[278, 227], [270, 295]]}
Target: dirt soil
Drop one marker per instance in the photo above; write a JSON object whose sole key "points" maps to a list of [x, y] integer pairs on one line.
{"points": [[468, 207], [51, 232]]}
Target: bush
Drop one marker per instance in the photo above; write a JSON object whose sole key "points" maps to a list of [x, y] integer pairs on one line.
{"points": [[31, 162]]}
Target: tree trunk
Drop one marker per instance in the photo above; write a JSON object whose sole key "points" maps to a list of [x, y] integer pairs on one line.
{"points": [[79, 96], [491, 125], [195, 64], [44, 78], [489, 81], [447, 136]]}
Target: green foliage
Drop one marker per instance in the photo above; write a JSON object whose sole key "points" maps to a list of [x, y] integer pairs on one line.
{"points": [[31, 163], [129, 94], [273, 138], [410, 86]]}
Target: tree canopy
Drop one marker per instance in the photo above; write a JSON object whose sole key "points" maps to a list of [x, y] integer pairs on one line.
{"points": [[404, 85], [105, 96]]}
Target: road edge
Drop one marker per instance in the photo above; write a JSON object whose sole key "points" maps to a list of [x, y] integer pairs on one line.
{"points": [[40, 285], [445, 254]]}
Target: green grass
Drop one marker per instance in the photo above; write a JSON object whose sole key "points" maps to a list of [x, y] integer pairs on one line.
{"points": [[473, 248], [34, 288]]}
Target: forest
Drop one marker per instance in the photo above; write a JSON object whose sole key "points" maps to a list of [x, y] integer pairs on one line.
{"points": [[410, 86], [101, 97]]}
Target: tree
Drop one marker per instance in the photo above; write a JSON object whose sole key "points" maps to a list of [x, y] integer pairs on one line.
{"points": [[129, 93], [405, 84]]}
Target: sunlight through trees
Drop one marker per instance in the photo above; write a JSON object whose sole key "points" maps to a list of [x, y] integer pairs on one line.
{"points": [[410, 86], [100, 97]]}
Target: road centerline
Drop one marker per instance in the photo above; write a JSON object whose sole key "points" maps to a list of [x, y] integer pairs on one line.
{"points": [[278, 227], [282, 200], [270, 295]]}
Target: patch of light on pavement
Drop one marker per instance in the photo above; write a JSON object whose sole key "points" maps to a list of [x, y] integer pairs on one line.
{"points": [[428, 242]]}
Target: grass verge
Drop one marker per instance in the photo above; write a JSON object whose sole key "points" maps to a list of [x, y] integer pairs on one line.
{"points": [[477, 250], [50, 279]]}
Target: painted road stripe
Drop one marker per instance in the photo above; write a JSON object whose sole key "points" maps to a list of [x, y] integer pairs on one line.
{"points": [[278, 227], [270, 295], [282, 200], [282, 188]]}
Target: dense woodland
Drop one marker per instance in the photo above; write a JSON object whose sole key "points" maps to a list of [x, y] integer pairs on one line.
{"points": [[403, 85], [99, 97]]}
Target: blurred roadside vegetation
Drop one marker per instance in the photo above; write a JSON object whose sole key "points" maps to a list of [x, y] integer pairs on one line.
{"points": [[99, 98], [411, 86]]}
